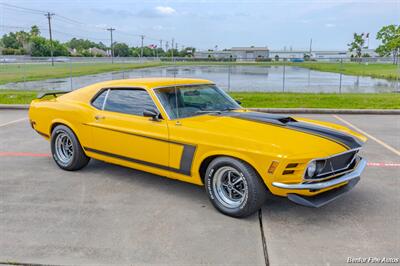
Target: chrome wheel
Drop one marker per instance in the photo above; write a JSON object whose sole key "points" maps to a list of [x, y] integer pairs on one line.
{"points": [[63, 148], [230, 187]]}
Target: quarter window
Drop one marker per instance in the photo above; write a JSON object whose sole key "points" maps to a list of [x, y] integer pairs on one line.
{"points": [[98, 102], [128, 101]]}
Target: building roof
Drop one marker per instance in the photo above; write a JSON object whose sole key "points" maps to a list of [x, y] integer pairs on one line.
{"points": [[249, 49]]}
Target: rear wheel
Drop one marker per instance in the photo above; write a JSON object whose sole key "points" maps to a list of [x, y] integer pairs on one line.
{"points": [[234, 187], [66, 149]]}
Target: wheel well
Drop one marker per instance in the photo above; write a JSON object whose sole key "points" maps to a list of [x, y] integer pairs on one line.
{"points": [[204, 164], [53, 126]]}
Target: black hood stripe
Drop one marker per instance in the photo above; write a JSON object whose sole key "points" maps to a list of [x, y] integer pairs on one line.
{"points": [[346, 140]]}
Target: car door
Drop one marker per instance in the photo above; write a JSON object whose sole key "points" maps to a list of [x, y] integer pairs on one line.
{"points": [[120, 130]]}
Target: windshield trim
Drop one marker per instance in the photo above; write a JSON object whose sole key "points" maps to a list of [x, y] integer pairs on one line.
{"points": [[184, 85]]}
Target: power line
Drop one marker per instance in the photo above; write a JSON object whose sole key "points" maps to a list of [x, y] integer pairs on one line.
{"points": [[74, 22], [41, 12]]}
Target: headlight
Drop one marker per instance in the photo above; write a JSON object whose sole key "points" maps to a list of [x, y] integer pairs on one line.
{"points": [[311, 168]]}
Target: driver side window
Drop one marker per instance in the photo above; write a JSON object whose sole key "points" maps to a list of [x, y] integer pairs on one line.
{"points": [[127, 101]]}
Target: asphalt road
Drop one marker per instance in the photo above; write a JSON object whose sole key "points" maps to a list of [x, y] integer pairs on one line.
{"points": [[106, 214]]}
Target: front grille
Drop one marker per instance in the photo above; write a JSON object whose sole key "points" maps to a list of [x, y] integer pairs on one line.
{"points": [[336, 164]]}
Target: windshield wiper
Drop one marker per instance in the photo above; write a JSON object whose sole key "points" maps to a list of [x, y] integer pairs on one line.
{"points": [[229, 109], [208, 111]]}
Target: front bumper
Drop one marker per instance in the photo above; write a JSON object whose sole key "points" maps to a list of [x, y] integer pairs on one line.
{"points": [[319, 200]]}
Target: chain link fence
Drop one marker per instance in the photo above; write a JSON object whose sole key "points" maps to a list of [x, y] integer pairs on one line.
{"points": [[285, 75]]}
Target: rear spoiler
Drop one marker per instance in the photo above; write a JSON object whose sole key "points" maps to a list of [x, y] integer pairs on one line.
{"points": [[54, 93]]}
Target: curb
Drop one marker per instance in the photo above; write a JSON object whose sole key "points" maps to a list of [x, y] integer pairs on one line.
{"points": [[328, 111], [273, 110], [14, 106]]}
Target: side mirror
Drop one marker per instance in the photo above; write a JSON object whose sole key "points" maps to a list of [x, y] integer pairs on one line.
{"points": [[239, 102], [154, 114]]}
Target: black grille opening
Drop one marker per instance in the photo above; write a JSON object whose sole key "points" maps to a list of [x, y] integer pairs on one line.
{"points": [[335, 164]]}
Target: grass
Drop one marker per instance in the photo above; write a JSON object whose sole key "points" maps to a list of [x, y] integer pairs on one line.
{"points": [[375, 70], [17, 97], [30, 72], [319, 100], [271, 100]]}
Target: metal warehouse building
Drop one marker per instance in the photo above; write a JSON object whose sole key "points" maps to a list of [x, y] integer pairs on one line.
{"points": [[249, 53]]}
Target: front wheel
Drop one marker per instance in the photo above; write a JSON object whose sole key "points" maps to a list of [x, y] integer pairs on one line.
{"points": [[234, 187], [66, 149]]}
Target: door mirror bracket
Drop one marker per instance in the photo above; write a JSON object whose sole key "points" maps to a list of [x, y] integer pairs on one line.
{"points": [[152, 113]]}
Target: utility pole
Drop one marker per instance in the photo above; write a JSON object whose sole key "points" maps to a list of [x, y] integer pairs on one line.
{"points": [[49, 16], [141, 51], [172, 49], [310, 46], [161, 45], [112, 44]]}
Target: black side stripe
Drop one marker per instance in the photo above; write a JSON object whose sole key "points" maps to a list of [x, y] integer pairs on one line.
{"points": [[184, 169], [346, 140]]}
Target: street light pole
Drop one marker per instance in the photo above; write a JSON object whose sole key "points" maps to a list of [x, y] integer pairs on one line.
{"points": [[112, 44]]}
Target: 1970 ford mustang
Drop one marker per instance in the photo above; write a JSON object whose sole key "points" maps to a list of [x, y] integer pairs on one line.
{"points": [[190, 130]]}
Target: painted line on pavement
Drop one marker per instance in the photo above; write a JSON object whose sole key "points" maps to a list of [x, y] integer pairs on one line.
{"points": [[380, 164], [387, 146], [13, 122]]}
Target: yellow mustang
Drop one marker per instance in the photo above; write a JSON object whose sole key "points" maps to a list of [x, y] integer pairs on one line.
{"points": [[190, 130]]}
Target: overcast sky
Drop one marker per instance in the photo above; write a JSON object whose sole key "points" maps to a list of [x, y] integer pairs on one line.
{"points": [[205, 24]]}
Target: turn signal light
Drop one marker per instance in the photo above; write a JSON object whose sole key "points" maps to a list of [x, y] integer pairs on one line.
{"points": [[272, 167]]}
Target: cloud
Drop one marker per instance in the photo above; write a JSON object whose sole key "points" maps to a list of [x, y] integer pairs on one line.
{"points": [[330, 25], [158, 11], [165, 10]]}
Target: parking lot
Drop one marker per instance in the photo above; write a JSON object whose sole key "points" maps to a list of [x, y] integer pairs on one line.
{"points": [[107, 214]]}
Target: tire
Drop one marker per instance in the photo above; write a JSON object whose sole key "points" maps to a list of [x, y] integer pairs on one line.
{"points": [[253, 191], [66, 149]]}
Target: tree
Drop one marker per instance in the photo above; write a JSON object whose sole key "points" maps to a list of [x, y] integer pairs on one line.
{"points": [[390, 37], [121, 49], [357, 44], [41, 47], [35, 31], [10, 41]]}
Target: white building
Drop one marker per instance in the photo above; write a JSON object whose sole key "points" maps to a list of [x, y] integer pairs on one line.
{"points": [[213, 54], [250, 53]]}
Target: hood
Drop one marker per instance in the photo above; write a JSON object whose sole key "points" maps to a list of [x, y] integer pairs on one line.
{"points": [[277, 133]]}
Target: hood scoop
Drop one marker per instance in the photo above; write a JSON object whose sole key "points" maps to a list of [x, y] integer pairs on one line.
{"points": [[263, 117]]}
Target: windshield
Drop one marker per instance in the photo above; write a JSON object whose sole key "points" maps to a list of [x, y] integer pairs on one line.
{"points": [[185, 101]]}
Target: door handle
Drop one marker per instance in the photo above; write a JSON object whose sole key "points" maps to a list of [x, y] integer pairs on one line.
{"points": [[99, 117]]}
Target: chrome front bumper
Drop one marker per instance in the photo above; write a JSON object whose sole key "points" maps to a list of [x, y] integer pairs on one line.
{"points": [[326, 184]]}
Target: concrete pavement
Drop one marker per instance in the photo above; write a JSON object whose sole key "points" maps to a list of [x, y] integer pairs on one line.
{"points": [[363, 223], [106, 214]]}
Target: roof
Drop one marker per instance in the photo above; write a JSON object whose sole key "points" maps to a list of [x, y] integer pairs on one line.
{"points": [[249, 49], [154, 82], [86, 93]]}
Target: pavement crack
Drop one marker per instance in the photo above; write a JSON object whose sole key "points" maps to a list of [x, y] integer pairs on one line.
{"points": [[263, 240]]}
